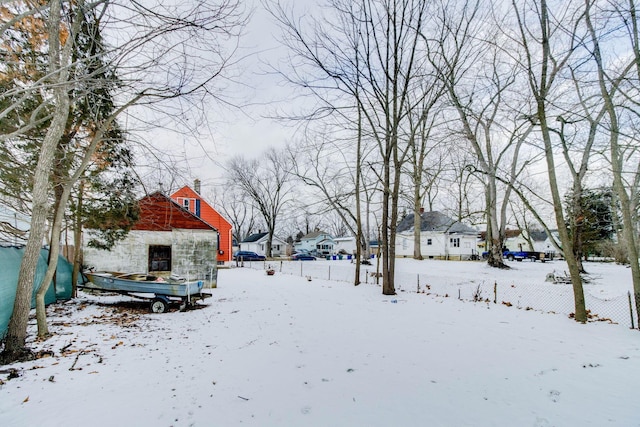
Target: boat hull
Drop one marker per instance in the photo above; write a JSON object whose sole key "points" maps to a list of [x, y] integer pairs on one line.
{"points": [[111, 282]]}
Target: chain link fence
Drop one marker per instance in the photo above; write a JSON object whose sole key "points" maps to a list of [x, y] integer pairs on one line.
{"points": [[549, 297]]}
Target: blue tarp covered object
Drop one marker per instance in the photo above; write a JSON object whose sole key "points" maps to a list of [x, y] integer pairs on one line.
{"points": [[10, 259]]}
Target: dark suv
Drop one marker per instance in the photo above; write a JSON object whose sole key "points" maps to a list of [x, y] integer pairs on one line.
{"points": [[248, 256]]}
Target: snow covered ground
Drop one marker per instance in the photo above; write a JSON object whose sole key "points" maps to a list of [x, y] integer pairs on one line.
{"points": [[285, 351]]}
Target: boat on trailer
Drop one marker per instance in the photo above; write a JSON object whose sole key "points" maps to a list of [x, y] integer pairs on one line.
{"points": [[159, 290]]}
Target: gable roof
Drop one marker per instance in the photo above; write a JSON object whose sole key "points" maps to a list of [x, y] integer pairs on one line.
{"points": [[536, 235], [159, 212], [509, 234], [199, 206], [208, 212], [315, 235], [254, 237], [435, 221]]}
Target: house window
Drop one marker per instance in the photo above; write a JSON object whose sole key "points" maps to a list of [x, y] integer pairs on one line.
{"points": [[429, 243], [454, 242], [159, 258], [184, 202]]}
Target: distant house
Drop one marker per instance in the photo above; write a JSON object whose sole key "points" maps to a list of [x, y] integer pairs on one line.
{"points": [[516, 240], [543, 243], [346, 245], [167, 239], [319, 243], [257, 243], [191, 200], [441, 237]]}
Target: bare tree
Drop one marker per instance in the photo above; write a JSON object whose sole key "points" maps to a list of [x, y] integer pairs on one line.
{"points": [[266, 183], [146, 63], [548, 42], [370, 53], [324, 164], [422, 145], [480, 83], [241, 214], [623, 148], [463, 196]]}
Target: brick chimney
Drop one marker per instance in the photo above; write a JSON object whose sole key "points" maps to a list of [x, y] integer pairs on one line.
{"points": [[196, 186]]}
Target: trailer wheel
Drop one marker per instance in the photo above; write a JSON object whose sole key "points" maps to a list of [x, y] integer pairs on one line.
{"points": [[159, 305], [510, 257]]}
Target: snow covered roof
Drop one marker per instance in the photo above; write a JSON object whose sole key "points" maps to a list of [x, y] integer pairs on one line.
{"points": [[435, 221], [314, 235]]}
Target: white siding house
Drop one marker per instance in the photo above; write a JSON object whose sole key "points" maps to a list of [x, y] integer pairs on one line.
{"points": [[441, 237], [345, 245], [318, 243], [257, 243]]}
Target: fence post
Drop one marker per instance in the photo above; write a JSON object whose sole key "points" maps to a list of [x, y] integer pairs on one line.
{"points": [[280, 266], [329, 272], [301, 269], [636, 296], [631, 311], [495, 292], [418, 281]]}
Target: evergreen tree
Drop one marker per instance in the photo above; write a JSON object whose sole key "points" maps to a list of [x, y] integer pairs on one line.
{"points": [[595, 223]]}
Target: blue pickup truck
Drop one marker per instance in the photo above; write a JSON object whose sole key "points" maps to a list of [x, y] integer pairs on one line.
{"points": [[520, 255]]}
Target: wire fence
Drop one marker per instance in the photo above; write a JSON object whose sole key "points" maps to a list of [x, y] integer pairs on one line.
{"points": [[547, 297]]}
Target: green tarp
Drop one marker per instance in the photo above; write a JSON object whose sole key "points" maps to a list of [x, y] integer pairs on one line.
{"points": [[10, 259]]}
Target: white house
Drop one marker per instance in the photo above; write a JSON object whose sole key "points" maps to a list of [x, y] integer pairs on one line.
{"points": [[318, 243], [441, 237], [257, 243], [516, 241], [345, 245], [543, 243]]}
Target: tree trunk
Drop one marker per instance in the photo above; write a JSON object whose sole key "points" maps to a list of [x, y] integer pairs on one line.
{"points": [[540, 85], [356, 279], [617, 162], [54, 252], [388, 287], [17, 330], [417, 221], [494, 236], [77, 242]]}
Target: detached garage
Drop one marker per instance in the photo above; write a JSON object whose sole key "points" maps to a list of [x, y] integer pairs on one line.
{"points": [[166, 240]]}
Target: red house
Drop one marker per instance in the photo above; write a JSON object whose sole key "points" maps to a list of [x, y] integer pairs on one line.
{"points": [[190, 199]]}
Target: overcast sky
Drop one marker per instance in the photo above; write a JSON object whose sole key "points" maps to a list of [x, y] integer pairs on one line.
{"points": [[246, 129]]}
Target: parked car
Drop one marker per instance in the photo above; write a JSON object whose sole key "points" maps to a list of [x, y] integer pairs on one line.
{"points": [[303, 256], [248, 256]]}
